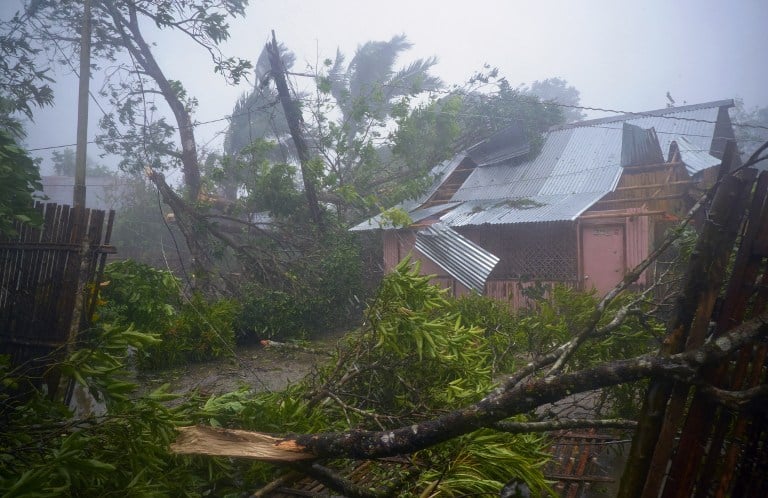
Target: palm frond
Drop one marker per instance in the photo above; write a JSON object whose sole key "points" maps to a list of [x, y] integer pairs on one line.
{"points": [[413, 79]]}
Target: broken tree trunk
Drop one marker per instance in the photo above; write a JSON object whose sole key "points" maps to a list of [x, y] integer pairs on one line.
{"points": [[293, 116]]}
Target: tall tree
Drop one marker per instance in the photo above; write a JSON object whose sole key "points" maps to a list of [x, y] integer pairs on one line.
{"points": [[118, 36], [438, 129], [23, 83], [558, 91], [366, 94], [19, 178], [64, 164], [131, 130], [750, 126]]}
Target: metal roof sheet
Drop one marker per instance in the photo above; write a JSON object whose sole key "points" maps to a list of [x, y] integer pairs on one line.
{"points": [[640, 146], [464, 260], [542, 208], [577, 165], [416, 216], [695, 159], [585, 158]]}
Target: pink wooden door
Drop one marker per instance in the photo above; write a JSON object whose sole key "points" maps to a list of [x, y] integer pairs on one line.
{"points": [[603, 253]]}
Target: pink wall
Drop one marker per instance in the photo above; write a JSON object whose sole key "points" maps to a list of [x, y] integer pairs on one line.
{"points": [[609, 247]]}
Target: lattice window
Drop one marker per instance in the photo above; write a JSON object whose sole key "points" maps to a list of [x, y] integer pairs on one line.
{"points": [[532, 252]]}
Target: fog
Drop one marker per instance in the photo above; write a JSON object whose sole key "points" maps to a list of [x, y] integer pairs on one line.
{"points": [[619, 55]]}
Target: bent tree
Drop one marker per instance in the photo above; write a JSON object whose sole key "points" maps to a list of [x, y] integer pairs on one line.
{"points": [[136, 85]]}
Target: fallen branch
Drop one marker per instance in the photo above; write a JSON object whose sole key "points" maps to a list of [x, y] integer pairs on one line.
{"points": [[363, 444], [562, 424], [237, 443]]}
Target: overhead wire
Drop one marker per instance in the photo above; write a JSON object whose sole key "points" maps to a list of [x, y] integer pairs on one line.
{"points": [[586, 123]]}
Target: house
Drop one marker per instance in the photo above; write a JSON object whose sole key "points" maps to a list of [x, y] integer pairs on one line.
{"points": [[583, 210]]}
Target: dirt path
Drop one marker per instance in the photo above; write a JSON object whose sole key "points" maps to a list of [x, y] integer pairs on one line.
{"points": [[257, 367]]}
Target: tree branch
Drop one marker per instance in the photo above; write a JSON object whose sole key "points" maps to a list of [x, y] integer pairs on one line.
{"points": [[561, 424], [683, 367]]}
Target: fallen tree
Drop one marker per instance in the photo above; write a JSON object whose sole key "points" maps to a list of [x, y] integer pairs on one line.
{"points": [[523, 397]]}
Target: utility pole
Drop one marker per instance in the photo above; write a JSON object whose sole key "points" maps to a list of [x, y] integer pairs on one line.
{"points": [[82, 107], [293, 116]]}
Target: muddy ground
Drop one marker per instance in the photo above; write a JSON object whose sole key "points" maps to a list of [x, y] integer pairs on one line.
{"points": [[256, 367]]}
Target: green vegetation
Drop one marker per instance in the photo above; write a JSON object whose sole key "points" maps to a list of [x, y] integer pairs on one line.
{"points": [[19, 178], [418, 354], [151, 301]]}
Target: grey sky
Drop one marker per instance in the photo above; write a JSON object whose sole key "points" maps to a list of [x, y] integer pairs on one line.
{"points": [[620, 55]]}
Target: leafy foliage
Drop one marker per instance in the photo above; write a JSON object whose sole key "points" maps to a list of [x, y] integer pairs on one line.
{"points": [[46, 452], [482, 462], [19, 178], [23, 84], [563, 313], [150, 300], [506, 340], [414, 355], [64, 164], [324, 285], [750, 127], [557, 90]]}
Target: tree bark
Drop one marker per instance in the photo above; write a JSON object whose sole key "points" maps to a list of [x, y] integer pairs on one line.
{"points": [[293, 116], [134, 41]]}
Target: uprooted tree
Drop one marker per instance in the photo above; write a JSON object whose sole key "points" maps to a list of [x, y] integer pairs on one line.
{"points": [[690, 351]]}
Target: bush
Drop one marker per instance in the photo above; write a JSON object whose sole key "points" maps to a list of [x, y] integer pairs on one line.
{"points": [[272, 314], [151, 301], [199, 332], [323, 295], [504, 337]]}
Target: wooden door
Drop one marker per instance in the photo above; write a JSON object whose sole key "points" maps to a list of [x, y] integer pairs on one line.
{"points": [[603, 255]]}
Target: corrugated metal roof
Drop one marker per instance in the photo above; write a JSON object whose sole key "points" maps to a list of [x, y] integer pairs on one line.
{"points": [[639, 146], [695, 159], [578, 164], [464, 260], [536, 209], [582, 159], [507, 144], [416, 216], [440, 172]]}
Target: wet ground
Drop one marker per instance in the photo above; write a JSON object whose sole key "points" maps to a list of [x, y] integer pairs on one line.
{"points": [[257, 367]]}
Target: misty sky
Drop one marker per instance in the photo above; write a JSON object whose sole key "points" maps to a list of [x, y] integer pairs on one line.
{"points": [[620, 55]]}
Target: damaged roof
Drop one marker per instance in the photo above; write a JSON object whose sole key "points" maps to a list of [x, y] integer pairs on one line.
{"points": [[464, 260], [578, 164]]}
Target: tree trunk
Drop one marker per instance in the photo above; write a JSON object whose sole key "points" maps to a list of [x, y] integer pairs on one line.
{"points": [[293, 116], [141, 51]]}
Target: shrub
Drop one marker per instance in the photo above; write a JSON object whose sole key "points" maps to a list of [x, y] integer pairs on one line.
{"points": [[200, 331], [324, 290], [504, 337], [151, 301]]}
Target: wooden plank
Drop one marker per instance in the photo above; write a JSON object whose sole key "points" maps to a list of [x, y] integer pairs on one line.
{"points": [[649, 453], [655, 185]]}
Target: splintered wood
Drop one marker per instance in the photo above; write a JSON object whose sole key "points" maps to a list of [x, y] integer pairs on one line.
{"points": [[201, 440]]}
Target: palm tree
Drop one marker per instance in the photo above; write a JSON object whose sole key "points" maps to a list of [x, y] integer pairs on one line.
{"points": [[369, 86], [366, 92]]}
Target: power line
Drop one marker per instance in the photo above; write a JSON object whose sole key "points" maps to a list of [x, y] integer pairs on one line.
{"points": [[537, 100], [599, 109]]}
